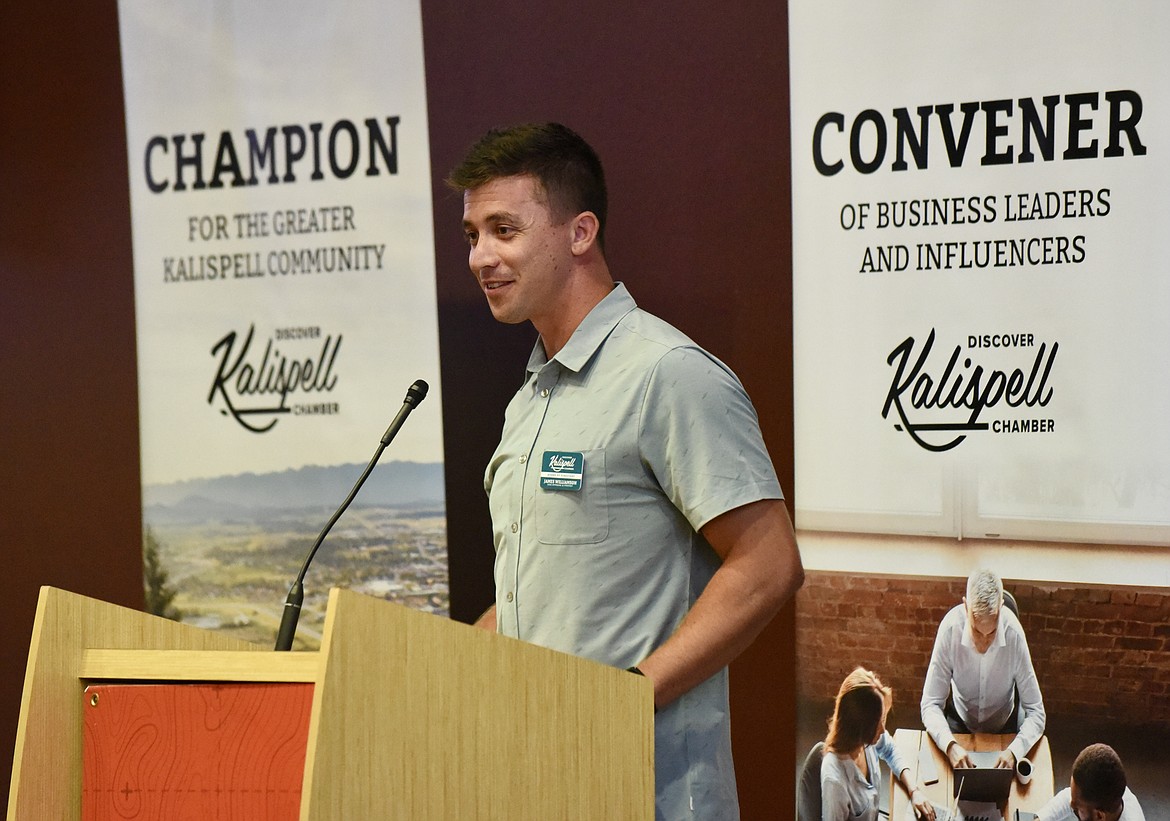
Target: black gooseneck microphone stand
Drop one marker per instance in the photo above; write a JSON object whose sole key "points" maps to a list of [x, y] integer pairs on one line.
{"points": [[296, 593]]}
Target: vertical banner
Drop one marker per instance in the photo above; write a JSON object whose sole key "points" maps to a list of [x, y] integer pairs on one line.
{"points": [[981, 347], [285, 297], [980, 270]]}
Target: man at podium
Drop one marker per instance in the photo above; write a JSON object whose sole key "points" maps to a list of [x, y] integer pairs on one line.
{"points": [[637, 518]]}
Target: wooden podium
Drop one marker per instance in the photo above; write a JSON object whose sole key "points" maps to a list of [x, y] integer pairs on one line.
{"points": [[412, 716]]}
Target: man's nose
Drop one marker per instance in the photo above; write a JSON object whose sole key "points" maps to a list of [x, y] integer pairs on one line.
{"points": [[482, 255]]}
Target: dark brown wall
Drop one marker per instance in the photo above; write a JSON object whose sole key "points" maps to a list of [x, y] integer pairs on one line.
{"points": [[70, 514], [688, 108]]}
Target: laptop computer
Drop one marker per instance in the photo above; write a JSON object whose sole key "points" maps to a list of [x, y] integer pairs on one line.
{"points": [[942, 813], [984, 781]]}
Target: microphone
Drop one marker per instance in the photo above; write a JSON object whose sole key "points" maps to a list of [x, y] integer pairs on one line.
{"points": [[296, 593]]}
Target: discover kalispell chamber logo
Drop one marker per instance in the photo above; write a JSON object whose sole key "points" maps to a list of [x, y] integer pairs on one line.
{"points": [[293, 371], [939, 398]]}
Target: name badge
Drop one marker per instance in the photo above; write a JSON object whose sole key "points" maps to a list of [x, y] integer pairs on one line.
{"points": [[561, 471]]}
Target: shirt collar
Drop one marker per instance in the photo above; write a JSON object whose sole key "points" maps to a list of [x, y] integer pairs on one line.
{"points": [[1000, 639], [589, 335]]}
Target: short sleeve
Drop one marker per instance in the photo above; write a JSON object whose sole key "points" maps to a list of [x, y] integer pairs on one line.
{"points": [[700, 437]]}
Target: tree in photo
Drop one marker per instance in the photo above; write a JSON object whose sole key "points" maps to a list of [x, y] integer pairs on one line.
{"points": [[160, 596]]}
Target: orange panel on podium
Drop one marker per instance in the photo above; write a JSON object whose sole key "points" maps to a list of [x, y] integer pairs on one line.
{"points": [[194, 751]]}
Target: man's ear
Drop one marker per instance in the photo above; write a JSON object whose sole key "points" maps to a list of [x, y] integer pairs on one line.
{"points": [[584, 229]]}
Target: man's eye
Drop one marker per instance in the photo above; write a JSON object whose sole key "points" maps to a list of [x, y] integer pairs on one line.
{"points": [[471, 237], [505, 230]]}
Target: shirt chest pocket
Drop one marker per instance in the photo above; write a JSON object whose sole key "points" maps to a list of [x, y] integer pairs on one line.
{"points": [[575, 516]]}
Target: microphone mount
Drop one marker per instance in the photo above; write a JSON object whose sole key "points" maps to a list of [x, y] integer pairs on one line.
{"points": [[296, 593]]}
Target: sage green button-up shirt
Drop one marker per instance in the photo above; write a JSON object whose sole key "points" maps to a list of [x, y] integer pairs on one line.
{"points": [[663, 439]]}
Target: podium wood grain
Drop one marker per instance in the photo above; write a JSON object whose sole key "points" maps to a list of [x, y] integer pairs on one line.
{"points": [[412, 717], [46, 768], [488, 728]]}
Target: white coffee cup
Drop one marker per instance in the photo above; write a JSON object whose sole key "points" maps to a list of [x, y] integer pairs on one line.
{"points": [[1024, 770]]}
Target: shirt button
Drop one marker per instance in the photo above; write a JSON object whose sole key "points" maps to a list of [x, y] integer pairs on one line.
{"points": [[509, 597], [544, 392], [523, 460], [515, 527]]}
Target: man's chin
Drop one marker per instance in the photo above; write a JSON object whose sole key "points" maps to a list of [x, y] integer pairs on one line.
{"points": [[505, 316]]}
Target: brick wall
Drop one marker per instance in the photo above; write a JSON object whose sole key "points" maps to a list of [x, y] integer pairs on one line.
{"points": [[1098, 651]]}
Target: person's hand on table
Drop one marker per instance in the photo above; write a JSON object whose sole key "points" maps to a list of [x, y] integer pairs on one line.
{"points": [[958, 756], [1006, 760], [923, 809]]}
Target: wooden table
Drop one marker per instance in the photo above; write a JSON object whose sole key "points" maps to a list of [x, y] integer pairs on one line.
{"points": [[919, 751]]}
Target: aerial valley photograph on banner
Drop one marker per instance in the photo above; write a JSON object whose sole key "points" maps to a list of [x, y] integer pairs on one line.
{"points": [[285, 303], [980, 346]]}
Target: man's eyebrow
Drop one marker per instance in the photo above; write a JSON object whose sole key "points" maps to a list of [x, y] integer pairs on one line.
{"points": [[495, 218]]}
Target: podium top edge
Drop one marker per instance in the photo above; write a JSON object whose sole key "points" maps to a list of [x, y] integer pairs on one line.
{"points": [[200, 665]]}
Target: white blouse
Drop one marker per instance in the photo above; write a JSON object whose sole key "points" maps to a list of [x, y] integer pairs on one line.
{"points": [[846, 794]]}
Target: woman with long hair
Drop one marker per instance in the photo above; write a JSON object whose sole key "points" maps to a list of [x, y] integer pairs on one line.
{"points": [[857, 739]]}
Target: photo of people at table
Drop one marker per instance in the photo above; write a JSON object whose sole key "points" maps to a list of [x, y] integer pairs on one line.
{"points": [[981, 752]]}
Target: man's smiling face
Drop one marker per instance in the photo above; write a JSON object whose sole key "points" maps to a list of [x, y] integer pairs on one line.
{"points": [[519, 249]]}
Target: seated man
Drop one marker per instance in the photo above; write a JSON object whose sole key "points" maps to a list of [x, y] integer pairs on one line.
{"points": [[1096, 791], [981, 661]]}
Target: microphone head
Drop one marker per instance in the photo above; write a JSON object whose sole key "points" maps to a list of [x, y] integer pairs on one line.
{"points": [[417, 392]]}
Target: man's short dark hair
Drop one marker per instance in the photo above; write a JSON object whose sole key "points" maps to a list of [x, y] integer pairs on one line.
{"points": [[1100, 777], [565, 165]]}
